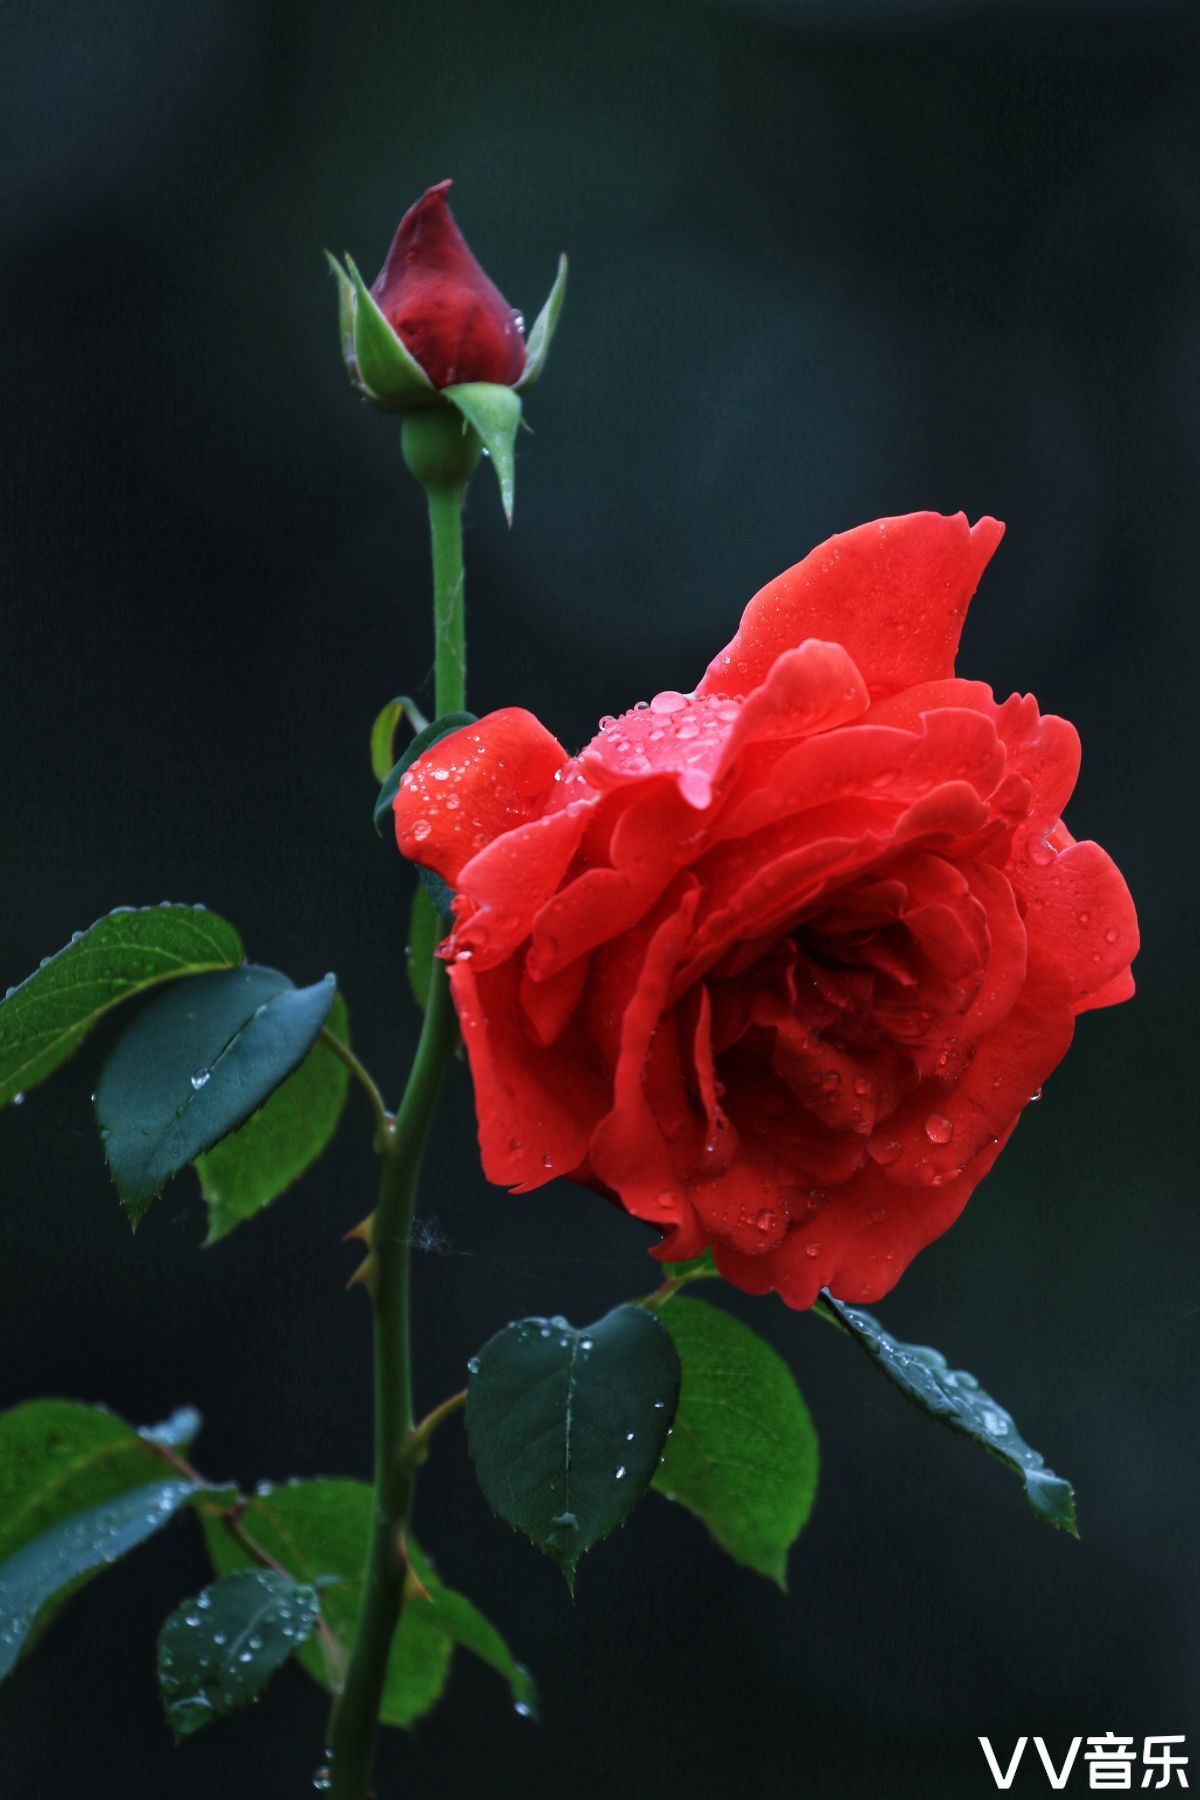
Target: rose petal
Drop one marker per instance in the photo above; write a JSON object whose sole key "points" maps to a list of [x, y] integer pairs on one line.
{"points": [[940, 1132], [536, 1107], [511, 878], [472, 785], [894, 593], [1081, 913]]}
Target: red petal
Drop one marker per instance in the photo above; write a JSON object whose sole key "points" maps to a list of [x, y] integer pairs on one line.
{"points": [[860, 1243], [629, 1150], [500, 772], [894, 593], [809, 689], [512, 878], [455, 322], [535, 1107], [939, 1132], [1081, 914]]}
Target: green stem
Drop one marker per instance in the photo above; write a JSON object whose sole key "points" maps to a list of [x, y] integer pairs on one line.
{"points": [[356, 1714], [445, 530], [399, 1448]]}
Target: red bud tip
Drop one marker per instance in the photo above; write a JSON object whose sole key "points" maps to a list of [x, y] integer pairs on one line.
{"points": [[450, 317]]}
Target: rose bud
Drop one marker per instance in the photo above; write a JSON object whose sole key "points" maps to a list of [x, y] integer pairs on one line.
{"points": [[433, 328]]}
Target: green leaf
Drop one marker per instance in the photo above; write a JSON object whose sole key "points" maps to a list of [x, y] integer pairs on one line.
{"points": [[78, 1487], [319, 1530], [566, 1426], [218, 1650], [48, 1016], [743, 1452], [955, 1398], [424, 935], [253, 1166], [383, 732], [439, 729], [538, 345], [456, 1618], [194, 1066], [392, 377], [495, 412]]}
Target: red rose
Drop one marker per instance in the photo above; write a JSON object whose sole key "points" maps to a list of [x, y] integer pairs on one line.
{"points": [[779, 963], [455, 323]]}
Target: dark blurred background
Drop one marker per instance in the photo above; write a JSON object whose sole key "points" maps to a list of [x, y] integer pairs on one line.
{"points": [[829, 261]]}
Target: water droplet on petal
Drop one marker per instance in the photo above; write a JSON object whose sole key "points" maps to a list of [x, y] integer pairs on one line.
{"points": [[668, 702], [939, 1129]]}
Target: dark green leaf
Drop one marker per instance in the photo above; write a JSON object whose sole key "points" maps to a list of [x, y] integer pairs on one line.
{"points": [[195, 1065], [78, 1487], [495, 412], [538, 344], [383, 732], [439, 729], [318, 1531], [424, 935], [955, 1398], [566, 1426], [279, 1142], [218, 1650], [390, 374], [117, 958], [743, 1452]]}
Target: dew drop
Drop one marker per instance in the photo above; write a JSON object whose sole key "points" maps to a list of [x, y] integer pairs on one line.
{"points": [[939, 1129], [201, 1078], [18, 1099], [1035, 1097], [1111, 935], [764, 1219], [668, 702], [421, 829], [473, 1366], [620, 1474], [887, 1152], [813, 1247], [523, 1709]]}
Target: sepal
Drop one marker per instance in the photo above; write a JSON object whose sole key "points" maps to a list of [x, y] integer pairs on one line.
{"points": [[495, 413], [376, 360], [537, 346]]}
